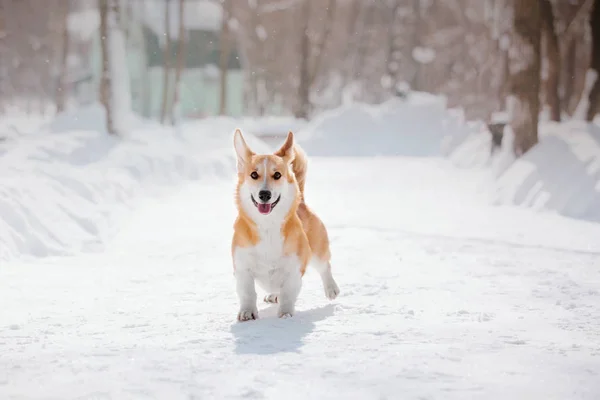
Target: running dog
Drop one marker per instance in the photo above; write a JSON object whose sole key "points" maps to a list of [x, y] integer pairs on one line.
{"points": [[275, 234]]}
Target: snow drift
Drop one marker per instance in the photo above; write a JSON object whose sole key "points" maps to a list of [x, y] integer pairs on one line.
{"points": [[561, 173], [418, 126], [64, 189]]}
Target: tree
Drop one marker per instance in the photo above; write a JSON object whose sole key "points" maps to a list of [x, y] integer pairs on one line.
{"points": [[552, 55], [224, 55], [167, 63], [594, 97], [524, 70], [180, 61], [105, 79], [309, 66], [61, 94]]}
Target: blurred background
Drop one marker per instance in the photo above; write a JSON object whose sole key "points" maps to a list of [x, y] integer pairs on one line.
{"points": [[196, 58]]}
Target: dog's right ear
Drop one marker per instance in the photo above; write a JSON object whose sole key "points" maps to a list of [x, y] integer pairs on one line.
{"points": [[243, 152]]}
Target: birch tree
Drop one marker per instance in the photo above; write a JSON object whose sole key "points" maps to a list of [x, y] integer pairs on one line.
{"points": [[225, 49], [105, 78], [180, 65], [166, 64]]}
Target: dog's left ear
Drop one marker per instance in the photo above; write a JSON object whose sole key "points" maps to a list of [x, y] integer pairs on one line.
{"points": [[243, 152], [286, 151]]}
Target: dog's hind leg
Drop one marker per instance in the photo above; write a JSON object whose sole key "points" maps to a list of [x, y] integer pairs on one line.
{"points": [[272, 298], [329, 285]]}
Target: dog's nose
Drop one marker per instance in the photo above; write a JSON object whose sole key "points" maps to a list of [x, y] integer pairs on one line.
{"points": [[264, 195]]}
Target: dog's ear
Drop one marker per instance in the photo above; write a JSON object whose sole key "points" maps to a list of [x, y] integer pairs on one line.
{"points": [[286, 151], [243, 152]]}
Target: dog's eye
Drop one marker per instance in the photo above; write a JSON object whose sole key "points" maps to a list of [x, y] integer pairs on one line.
{"points": [[276, 175], [254, 175]]}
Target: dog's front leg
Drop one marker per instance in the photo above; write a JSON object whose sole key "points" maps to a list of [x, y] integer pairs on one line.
{"points": [[246, 294], [290, 289]]}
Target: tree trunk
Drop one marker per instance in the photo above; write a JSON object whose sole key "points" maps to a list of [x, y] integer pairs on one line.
{"points": [[303, 104], [568, 76], [594, 98], [105, 84], [525, 74], [166, 64], [367, 12], [323, 42], [180, 63], [224, 56], [392, 62], [415, 81], [61, 94], [553, 59]]}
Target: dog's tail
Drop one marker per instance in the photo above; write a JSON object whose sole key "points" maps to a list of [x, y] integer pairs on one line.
{"points": [[299, 166]]}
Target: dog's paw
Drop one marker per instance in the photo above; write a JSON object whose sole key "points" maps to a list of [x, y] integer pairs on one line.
{"points": [[247, 315], [271, 298], [331, 290], [285, 315]]}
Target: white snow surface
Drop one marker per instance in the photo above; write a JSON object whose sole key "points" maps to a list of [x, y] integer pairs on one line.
{"points": [[443, 295], [418, 127], [64, 189]]}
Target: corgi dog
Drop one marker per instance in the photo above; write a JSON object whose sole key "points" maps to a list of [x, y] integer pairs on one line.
{"points": [[275, 234]]}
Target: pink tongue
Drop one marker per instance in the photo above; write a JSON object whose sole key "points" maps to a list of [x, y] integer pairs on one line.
{"points": [[264, 208]]}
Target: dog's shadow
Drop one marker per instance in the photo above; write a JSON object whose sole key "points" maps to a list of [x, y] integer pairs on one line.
{"points": [[270, 334]]}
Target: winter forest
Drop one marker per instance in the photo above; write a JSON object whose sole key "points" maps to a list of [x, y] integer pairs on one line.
{"points": [[303, 57], [453, 152]]}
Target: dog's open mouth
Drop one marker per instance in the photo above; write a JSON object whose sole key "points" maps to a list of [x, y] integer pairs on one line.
{"points": [[265, 208]]}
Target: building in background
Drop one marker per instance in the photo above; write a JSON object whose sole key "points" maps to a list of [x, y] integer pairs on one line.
{"points": [[145, 29]]}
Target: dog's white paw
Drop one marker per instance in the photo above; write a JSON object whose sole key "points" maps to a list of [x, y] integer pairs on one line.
{"points": [[247, 315], [331, 290], [271, 298], [285, 315]]}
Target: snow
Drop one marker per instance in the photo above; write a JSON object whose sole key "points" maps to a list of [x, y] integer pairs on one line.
{"points": [[261, 32], [419, 126], [64, 189], [443, 294], [84, 23], [561, 174], [590, 79], [423, 55]]}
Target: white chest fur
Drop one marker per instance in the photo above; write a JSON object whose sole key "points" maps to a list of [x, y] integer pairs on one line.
{"points": [[266, 261]]}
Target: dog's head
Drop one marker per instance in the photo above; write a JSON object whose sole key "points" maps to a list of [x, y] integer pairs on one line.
{"points": [[266, 183]]}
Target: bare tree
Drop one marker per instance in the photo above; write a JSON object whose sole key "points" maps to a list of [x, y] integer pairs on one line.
{"points": [[594, 98], [575, 50], [180, 60], [105, 79], [224, 55], [61, 95], [310, 66], [167, 63], [552, 56], [303, 105], [525, 74]]}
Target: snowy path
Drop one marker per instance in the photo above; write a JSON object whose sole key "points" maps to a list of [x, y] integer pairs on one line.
{"points": [[443, 297]]}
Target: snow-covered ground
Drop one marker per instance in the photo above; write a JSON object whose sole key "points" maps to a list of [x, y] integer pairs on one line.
{"points": [[561, 174], [443, 295]]}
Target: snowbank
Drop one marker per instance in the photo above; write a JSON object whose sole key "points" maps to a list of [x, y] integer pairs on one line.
{"points": [[419, 126], [561, 173], [64, 189]]}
